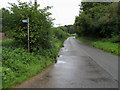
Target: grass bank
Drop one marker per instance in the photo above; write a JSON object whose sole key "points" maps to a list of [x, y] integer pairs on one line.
{"points": [[105, 44], [19, 65]]}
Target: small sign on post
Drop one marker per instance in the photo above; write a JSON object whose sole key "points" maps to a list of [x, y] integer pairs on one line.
{"points": [[27, 21]]}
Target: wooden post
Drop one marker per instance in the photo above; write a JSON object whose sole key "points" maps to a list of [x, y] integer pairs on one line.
{"points": [[28, 36]]}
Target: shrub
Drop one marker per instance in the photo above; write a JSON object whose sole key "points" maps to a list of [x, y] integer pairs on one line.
{"points": [[40, 25]]}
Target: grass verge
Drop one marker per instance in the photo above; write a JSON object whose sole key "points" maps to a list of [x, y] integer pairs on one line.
{"points": [[103, 44], [19, 65]]}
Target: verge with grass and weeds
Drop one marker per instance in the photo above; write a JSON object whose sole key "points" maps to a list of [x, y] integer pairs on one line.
{"points": [[45, 41], [19, 65], [109, 45]]}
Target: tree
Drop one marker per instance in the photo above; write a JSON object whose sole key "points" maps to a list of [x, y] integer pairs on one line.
{"points": [[98, 19], [40, 25]]}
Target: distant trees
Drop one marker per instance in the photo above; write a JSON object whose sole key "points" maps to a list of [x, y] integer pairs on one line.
{"points": [[40, 24], [70, 29], [98, 19], [59, 32]]}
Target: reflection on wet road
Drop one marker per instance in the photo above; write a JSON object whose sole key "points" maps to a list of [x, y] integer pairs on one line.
{"points": [[78, 66]]}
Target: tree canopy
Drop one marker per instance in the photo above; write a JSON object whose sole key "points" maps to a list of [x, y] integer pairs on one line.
{"points": [[98, 19], [40, 24]]}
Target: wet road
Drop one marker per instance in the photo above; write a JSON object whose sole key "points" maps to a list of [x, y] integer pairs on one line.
{"points": [[79, 66]]}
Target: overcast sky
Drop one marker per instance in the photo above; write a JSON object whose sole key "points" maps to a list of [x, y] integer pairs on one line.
{"points": [[64, 11]]}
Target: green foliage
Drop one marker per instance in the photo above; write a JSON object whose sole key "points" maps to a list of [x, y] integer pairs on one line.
{"points": [[19, 65], [45, 42], [85, 6], [107, 46], [6, 19], [70, 29], [98, 24], [40, 25], [0, 20], [104, 44], [59, 33], [98, 20]]}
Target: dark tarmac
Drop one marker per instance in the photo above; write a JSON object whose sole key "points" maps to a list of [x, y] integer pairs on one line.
{"points": [[79, 66]]}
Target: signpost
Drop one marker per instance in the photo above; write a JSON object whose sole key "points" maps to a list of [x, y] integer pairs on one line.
{"points": [[27, 21]]}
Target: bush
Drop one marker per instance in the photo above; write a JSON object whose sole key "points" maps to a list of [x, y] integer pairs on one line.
{"points": [[45, 42], [59, 33], [19, 65], [40, 25]]}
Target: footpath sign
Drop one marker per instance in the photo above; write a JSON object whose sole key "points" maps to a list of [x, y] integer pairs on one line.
{"points": [[27, 21]]}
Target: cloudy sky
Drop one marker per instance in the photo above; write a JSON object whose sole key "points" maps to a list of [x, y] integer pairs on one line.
{"points": [[64, 11]]}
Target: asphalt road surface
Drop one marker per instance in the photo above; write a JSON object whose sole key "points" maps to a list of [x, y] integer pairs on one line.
{"points": [[79, 66]]}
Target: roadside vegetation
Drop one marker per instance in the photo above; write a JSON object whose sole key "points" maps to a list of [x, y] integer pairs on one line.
{"points": [[18, 64], [98, 24], [104, 44]]}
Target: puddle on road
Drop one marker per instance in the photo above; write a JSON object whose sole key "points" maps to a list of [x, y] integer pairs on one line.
{"points": [[60, 55], [58, 62]]}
